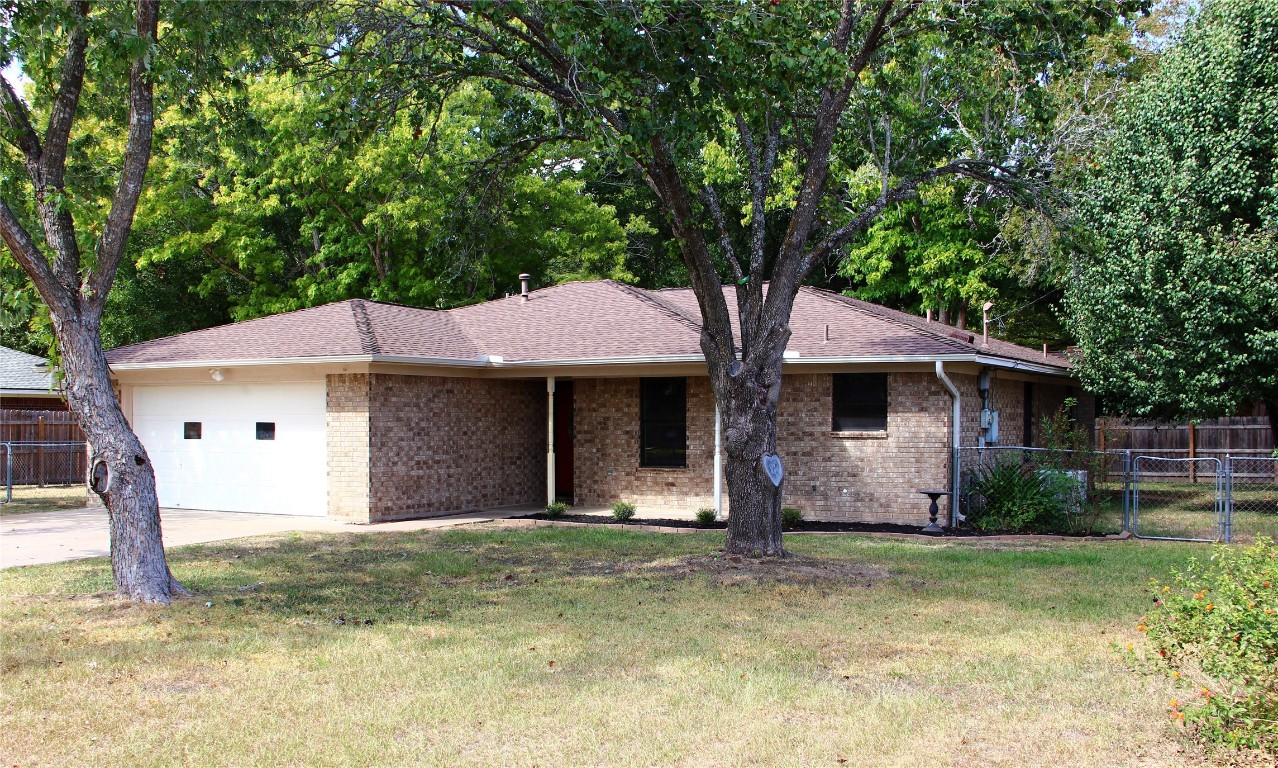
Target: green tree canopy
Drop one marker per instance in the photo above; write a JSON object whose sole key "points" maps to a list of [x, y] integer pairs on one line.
{"points": [[1175, 298]]}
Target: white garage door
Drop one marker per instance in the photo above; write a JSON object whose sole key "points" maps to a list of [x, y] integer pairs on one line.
{"points": [[236, 447]]}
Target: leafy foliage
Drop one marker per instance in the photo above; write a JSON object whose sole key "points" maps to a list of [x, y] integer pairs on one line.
{"points": [[557, 508], [1215, 629], [1017, 497], [707, 516], [623, 511], [1175, 304], [791, 517]]}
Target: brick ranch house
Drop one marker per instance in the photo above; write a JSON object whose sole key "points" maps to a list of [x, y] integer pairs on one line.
{"points": [[590, 392]]}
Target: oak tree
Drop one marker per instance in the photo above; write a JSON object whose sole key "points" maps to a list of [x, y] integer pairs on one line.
{"points": [[756, 125]]}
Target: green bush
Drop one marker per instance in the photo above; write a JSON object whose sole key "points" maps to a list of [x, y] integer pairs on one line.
{"points": [[557, 508], [623, 511], [1215, 629], [1018, 498], [791, 517], [706, 516]]}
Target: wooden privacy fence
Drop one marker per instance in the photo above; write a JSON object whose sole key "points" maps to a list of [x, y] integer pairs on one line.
{"points": [[41, 448], [1242, 436], [39, 427]]}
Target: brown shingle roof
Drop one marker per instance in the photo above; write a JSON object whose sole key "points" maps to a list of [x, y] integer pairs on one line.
{"points": [[600, 320]]}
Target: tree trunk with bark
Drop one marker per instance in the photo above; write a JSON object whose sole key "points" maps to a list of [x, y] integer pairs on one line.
{"points": [[75, 294], [120, 470]]}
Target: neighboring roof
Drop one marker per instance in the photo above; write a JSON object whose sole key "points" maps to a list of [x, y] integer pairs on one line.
{"points": [[571, 323], [25, 374]]}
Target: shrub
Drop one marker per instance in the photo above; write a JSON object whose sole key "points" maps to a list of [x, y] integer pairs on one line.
{"points": [[791, 517], [1019, 498], [623, 511], [557, 508], [706, 516], [1215, 629]]}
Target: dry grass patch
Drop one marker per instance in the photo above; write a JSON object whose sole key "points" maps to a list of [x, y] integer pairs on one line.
{"points": [[557, 646], [31, 498]]}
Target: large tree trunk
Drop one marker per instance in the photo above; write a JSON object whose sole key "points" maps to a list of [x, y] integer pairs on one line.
{"points": [[121, 471], [748, 406]]}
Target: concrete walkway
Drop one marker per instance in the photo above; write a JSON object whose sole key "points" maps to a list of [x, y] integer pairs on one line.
{"points": [[52, 537]]}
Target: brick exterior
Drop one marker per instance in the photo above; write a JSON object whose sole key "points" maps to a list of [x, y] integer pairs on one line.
{"points": [[444, 445], [606, 448], [829, 476], [417, 446], [347, 427]]}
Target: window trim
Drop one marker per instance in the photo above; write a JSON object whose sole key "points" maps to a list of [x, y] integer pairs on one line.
{"points": [[644, 421], [834, 404]]}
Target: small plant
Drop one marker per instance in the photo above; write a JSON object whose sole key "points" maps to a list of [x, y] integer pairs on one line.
{"points": [[557, 508], [1214, 628], [623, 511], [706, 516], [1019, 498], [791, 517]]}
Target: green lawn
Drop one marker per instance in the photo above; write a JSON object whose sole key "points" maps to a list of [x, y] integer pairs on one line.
{"points": [[556, 647], [31, 498]]}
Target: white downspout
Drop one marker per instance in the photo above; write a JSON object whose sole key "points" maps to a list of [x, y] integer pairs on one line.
{"points": [[718, 466], [550, 439], [956, 427]]}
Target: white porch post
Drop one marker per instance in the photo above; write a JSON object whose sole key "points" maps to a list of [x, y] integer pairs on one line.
{"points": [[718, 465], [550, 439]]}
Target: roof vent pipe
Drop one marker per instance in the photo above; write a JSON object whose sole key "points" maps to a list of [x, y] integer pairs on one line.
{"points": [[985, 322], [523, 286]]}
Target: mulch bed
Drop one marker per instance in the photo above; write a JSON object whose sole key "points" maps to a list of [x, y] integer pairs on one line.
{"points": [[807, 526]]}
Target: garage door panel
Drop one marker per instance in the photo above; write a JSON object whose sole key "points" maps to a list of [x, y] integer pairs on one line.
{"points": [[228, 468]]}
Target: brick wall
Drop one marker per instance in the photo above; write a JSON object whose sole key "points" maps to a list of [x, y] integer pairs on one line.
{"points": [[444, 445], [829, 476], [347, 427], [606, 449]]}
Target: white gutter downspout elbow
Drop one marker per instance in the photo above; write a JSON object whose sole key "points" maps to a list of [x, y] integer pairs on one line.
{"points": [[956, 425]]}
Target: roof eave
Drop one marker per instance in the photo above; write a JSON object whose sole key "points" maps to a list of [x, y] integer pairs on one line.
{"points": [[498, 363]]}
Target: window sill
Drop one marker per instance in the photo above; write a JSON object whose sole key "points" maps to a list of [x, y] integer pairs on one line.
{"points": [[663, 469], [876, 434]]}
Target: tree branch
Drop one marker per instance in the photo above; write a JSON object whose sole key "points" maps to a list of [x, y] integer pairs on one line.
{"points": [[28, 255], [725, 239], [137, 155]]}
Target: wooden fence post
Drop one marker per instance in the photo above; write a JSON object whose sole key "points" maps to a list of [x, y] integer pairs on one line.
{"points": [[1193, 445], [40, 434]]}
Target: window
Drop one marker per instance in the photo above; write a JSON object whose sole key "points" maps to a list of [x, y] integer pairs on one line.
{"points": [[192, 430], [266, 430], [860, 402], [663, 423]]}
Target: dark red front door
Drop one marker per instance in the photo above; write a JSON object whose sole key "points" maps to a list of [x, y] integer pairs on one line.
{"points": [[563, 441]]}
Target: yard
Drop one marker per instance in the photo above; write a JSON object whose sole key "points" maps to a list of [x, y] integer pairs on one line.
{"points": [[32, 498], [557, 646]]}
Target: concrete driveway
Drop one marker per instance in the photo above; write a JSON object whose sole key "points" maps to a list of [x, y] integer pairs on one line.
{"points": [[52, 537]]}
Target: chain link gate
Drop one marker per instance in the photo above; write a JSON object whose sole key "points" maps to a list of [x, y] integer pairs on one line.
{"points": [[1178, 499], [1251, 498]]}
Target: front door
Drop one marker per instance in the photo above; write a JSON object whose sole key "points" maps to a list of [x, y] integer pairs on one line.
{"points": [[563, 441]]}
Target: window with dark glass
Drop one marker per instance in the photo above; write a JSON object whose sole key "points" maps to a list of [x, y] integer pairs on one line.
{"points": [[860, 402], [663, 423], [266, 430], [192, 430]]}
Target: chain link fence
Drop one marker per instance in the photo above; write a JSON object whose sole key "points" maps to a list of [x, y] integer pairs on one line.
{"points": [[29, 467], [1251, 493], [1180, 498], [1224, 498]]}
